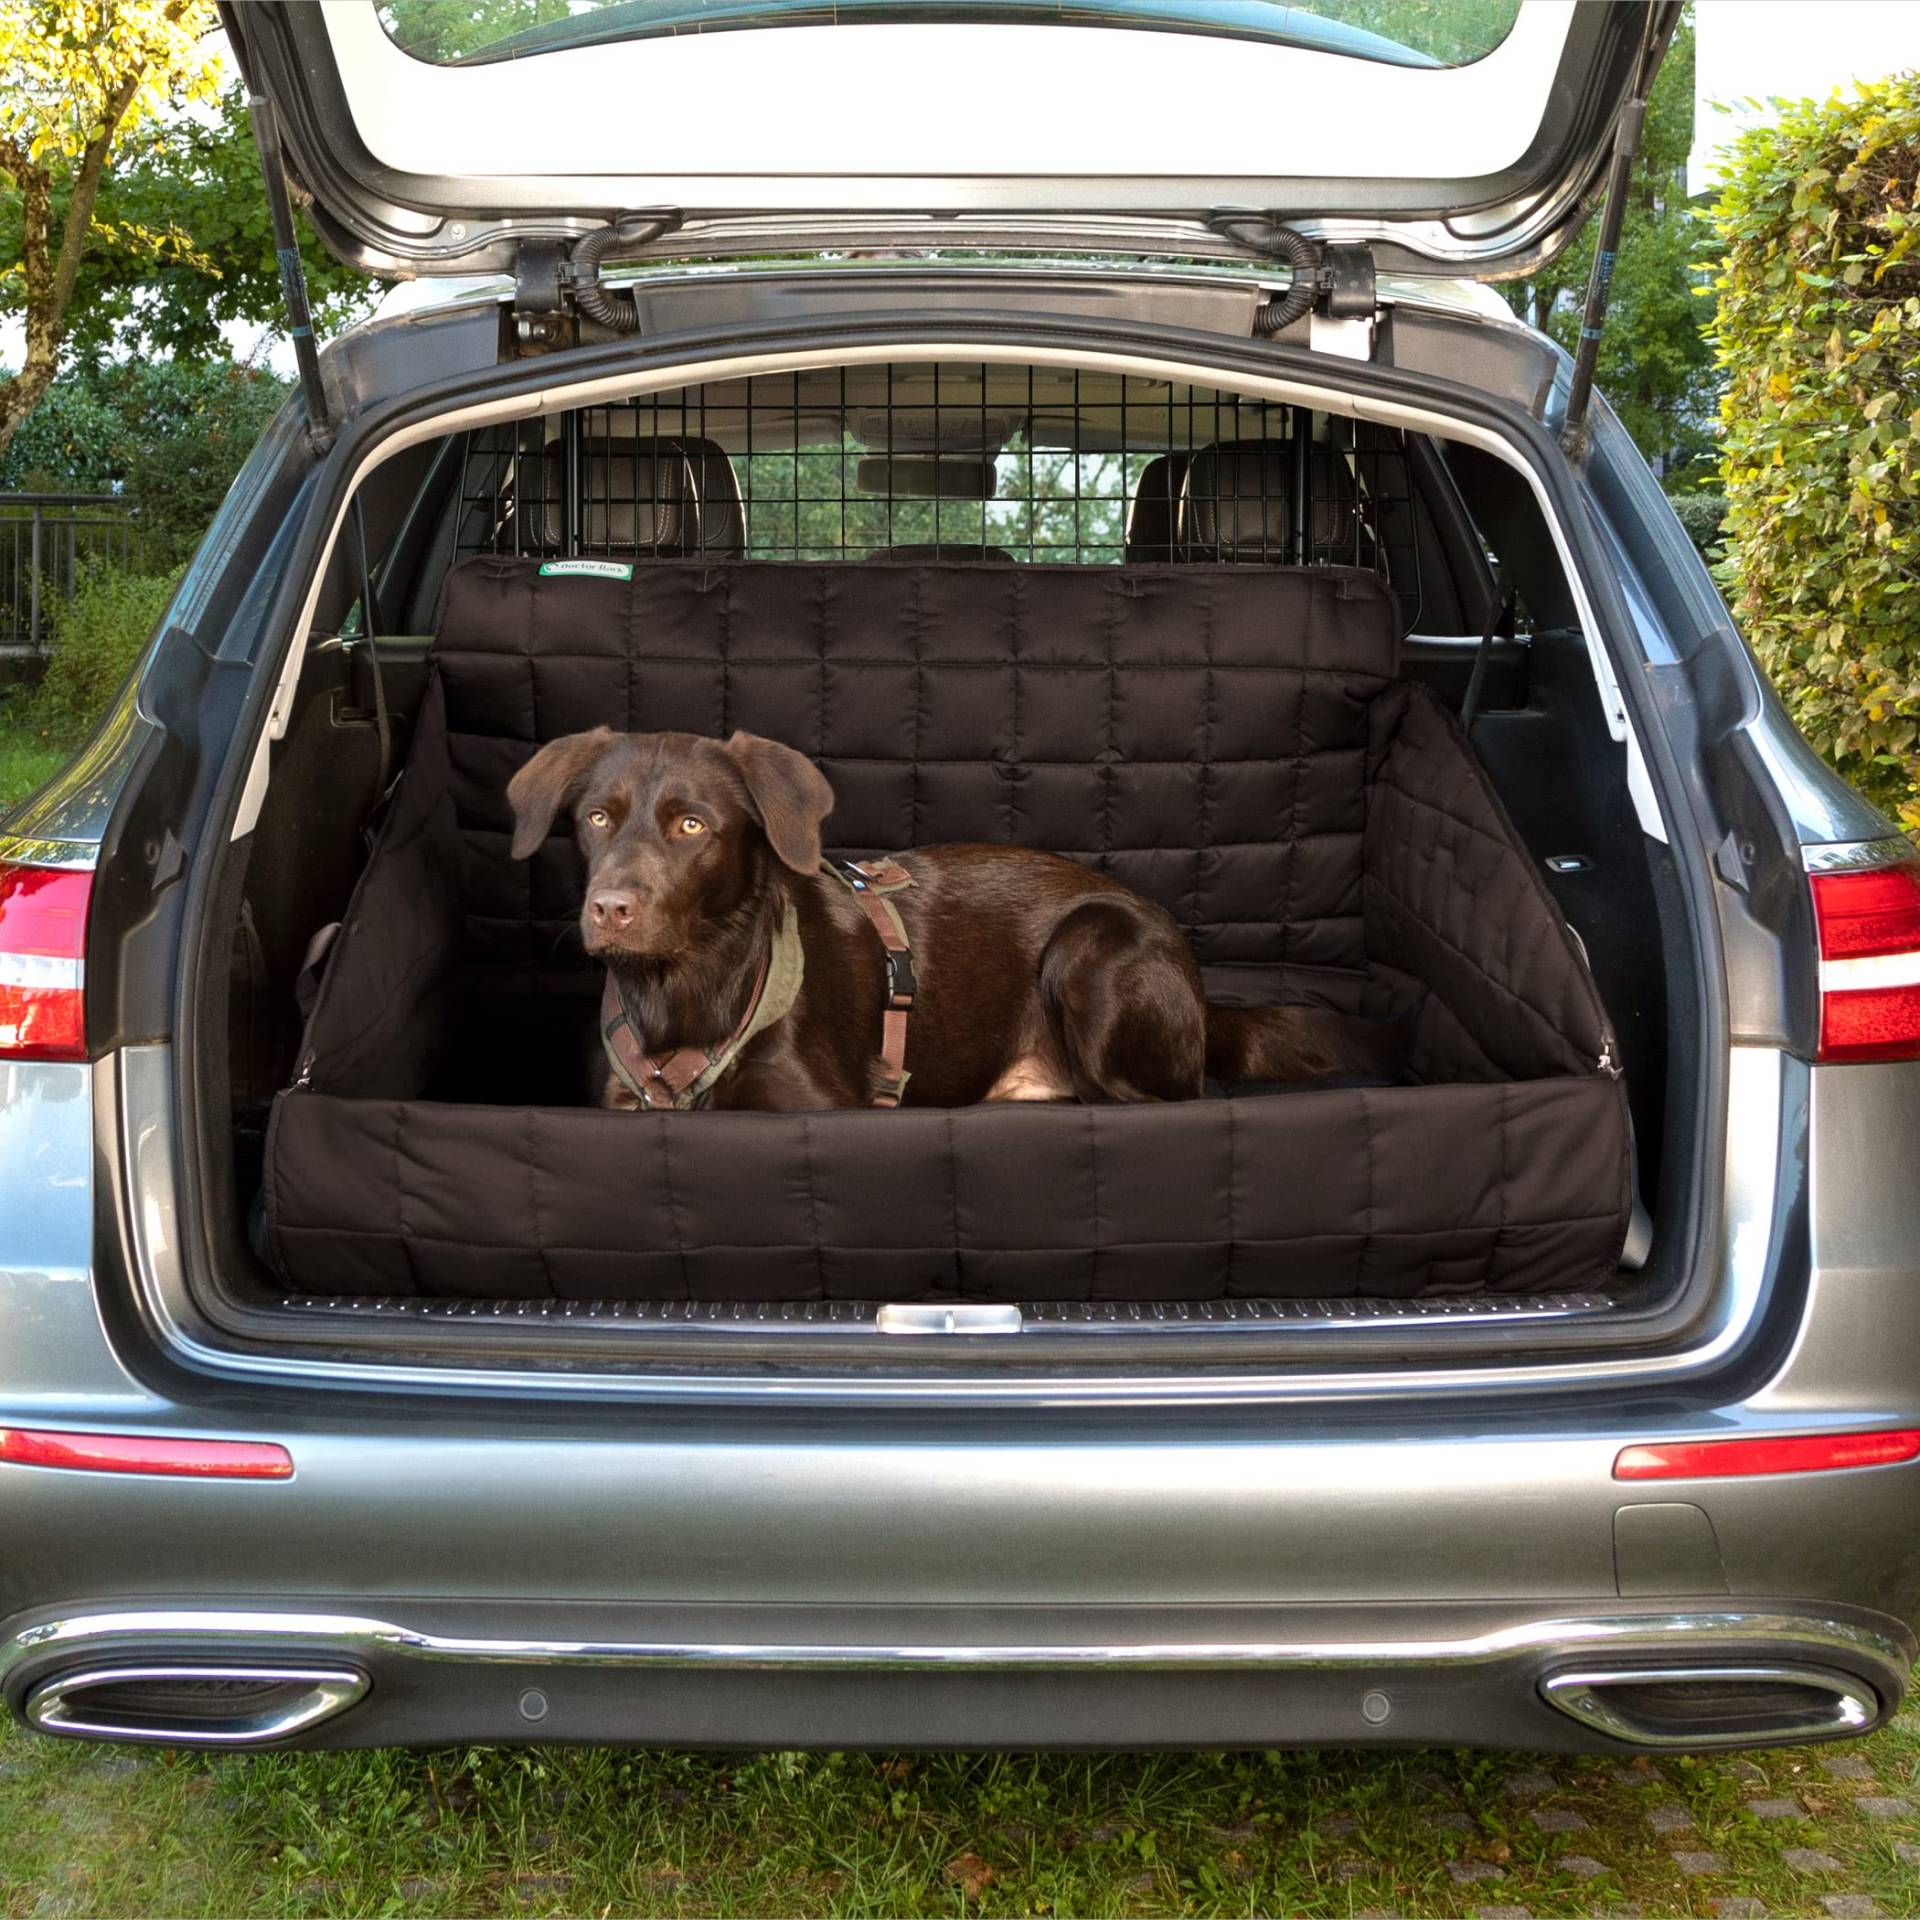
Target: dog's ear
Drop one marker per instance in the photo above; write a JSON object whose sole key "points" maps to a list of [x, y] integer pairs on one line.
{"points": [[542, 787], [789, 793]]}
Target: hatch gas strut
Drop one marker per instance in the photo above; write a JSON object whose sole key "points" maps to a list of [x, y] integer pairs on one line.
{"points": [[293, 277], [1626, 146]]}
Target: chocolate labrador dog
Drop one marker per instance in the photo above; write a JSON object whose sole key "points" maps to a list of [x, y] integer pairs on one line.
{"points": [[731, 950]]}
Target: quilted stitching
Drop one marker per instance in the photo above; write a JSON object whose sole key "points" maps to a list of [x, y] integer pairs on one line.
{"points": [[1172, 727], [1068, 708]]}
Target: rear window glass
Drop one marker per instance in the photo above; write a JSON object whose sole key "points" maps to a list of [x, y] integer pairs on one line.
{"points": [[1422, 33]]}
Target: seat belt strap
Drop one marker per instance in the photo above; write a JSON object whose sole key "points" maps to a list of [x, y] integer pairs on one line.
{"points": [[1498, 605]]}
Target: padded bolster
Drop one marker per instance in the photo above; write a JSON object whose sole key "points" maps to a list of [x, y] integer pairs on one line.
{"points": [[675, 497], [1395, 1191], [1200, 734], [1237, 502]]}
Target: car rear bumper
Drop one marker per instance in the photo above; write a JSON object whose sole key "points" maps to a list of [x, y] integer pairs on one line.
{"points": [[421, 1674]]}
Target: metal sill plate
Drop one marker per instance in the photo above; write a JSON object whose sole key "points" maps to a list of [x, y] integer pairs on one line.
{"points": [[944, 1319]]}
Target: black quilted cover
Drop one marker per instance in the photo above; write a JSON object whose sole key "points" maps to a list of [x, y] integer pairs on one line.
{"points": [[1230, 741]]}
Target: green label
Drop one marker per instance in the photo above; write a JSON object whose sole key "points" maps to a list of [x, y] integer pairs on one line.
{"points": [[593, 569]]}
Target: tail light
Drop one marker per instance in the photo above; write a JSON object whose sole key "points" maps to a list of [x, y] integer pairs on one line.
{"points": [[43, 943], [1869, 962]]}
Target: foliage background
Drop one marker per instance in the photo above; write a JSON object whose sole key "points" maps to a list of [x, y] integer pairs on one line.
{"points": [[1818, 334], [181, 246], [169, 433], [1656, 367]]}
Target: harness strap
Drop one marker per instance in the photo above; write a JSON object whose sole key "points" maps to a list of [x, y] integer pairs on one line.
{"points": [[667, 1079], [682, 1079], [870, 882]]}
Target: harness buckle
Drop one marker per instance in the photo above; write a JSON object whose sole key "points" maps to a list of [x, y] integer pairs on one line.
{"points": [[901, 985]]}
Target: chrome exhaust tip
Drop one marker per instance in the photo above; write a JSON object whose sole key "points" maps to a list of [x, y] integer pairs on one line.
{"points": [[197, 1703], [1730, 1706]]}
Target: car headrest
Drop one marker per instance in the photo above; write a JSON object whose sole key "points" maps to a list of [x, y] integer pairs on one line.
{"points": [[673, 499], [944, 550], [1153, 525], [1237, 503]]}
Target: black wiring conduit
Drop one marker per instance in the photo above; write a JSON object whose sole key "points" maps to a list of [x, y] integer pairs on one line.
{"points": [[1303, 256]]}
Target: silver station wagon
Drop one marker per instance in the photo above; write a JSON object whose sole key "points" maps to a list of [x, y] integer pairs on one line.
{"points": [[1102, 442]]}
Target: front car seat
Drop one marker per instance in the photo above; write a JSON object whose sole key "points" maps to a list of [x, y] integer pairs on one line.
{"points": [[664, 499]]}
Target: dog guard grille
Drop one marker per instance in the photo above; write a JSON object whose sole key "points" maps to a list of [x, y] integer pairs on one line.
{"points": [[997, 464]]}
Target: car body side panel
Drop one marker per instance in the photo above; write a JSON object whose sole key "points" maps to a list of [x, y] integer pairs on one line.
{"points": [[55, 1363]]}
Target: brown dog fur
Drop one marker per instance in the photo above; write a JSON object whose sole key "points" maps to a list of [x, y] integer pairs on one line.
{"points": [[1038, 979]]}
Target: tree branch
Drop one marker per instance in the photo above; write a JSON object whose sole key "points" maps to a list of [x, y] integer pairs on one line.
{"points": [[86, 189]]}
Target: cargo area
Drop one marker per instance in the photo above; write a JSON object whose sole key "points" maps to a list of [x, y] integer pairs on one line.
{"points": [[1214, 646]]}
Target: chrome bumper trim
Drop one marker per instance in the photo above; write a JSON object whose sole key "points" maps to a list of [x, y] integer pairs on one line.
{"points": [[43, 850], [1663, 1638], [1839, 856]]}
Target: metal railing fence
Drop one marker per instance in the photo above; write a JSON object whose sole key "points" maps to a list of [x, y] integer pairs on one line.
{"points": [[46, 539]]}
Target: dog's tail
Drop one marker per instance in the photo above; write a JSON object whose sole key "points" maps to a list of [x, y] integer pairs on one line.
{"points": [[1302, 1043]]}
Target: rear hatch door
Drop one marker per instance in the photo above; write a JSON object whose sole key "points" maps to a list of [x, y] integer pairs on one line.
{"points": [[1450, 136]]}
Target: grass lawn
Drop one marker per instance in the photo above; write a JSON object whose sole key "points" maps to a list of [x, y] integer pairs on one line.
{"points": [[25, 761], [95, 1830]]}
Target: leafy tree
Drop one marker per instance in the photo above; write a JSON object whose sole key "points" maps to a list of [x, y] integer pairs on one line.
{"points": [[1819, 333], [1656, 366], [183, 247], [1455, 31], [72, 442], [452, 29], [197, 426], [170, 433], [81, 76]]}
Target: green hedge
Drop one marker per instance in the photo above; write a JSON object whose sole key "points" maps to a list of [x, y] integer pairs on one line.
{"points": [[97, 636], [1819, 333], [1704, 515]]}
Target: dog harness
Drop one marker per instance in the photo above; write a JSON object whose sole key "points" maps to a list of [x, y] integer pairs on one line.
{"points": [[683, 1079], [870, 882]]}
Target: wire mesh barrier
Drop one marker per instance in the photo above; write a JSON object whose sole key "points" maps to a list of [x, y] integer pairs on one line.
{"points": [[985, 463], [46, 541]]}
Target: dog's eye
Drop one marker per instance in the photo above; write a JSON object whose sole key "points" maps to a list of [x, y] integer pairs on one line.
{"points": [[692, 823], [597, 817]]}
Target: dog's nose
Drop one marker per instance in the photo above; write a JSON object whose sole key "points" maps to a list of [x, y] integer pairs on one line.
{"points": [[611, 909]]}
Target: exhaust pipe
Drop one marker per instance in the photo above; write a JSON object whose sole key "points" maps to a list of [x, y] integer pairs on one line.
{"points": [[197, 1704], [1732, 1706]]}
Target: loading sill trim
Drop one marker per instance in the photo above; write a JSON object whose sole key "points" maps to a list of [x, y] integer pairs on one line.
{"points": [[801, 1318]]}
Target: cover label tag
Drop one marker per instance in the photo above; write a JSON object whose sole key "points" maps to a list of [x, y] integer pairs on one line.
{"points": [[594, 569]]}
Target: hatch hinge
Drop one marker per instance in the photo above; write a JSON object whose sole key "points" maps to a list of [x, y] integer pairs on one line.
{"points": [[542, 285], [293, 276], [558, 296], [1346, 303]]}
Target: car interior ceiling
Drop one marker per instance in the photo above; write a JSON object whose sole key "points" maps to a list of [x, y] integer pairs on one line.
{"points": [[1457, 534]]}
